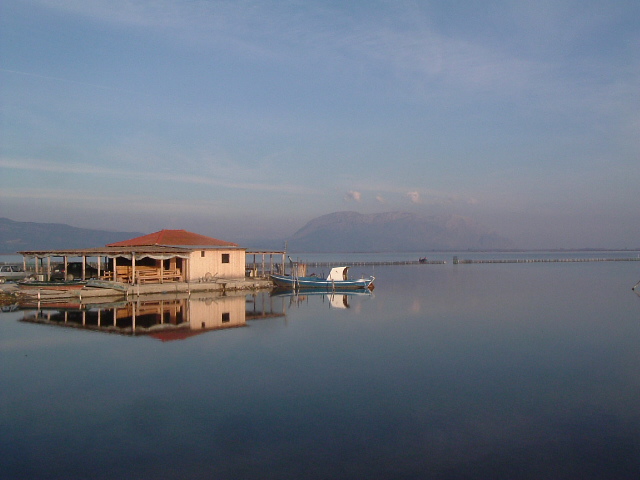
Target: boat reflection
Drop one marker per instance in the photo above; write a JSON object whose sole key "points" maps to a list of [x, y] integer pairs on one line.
{"points": [[162, 317], [337, 299]]}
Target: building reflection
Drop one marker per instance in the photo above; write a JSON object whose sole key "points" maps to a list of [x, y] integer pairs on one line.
{"points": [[163, 317]]}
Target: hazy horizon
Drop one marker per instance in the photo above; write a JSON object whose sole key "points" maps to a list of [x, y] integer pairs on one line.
{"points": [[249, 119], [252, 242]]}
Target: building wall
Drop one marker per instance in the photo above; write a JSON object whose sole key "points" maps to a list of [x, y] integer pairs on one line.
{"points": [[209, 263]]}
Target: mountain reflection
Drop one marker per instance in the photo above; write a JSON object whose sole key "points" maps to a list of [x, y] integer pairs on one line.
{"points": [[162, 317]]}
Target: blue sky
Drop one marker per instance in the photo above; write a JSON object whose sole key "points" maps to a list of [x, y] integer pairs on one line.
{"points": [[249, 118]]}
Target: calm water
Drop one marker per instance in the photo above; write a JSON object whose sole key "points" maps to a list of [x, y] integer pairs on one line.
{"points": [[505, 371]]}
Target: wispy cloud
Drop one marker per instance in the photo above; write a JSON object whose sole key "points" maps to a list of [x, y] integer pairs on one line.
{"points": [[402, 40], [426, 61], [241, 25], [98, 171], [110, 203], [414, 197], [160, 13], [353, 195], [387, 193], [59, 79]]}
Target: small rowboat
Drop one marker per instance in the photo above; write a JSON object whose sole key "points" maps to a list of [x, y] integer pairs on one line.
{"points": [[38, 285]]}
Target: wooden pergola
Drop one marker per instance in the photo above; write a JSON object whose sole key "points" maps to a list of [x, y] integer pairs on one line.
{"points": [[264, 253], [119, 264]]}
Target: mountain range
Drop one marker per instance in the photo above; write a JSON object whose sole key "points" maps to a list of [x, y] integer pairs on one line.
{"points": [[335, 232], [393, 231], [20, 236]]}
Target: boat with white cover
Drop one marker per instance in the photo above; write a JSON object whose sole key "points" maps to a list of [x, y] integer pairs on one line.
{"points": [[338, 279]]}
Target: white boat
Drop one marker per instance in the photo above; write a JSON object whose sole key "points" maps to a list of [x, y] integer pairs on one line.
{"points": [[338, 279]]}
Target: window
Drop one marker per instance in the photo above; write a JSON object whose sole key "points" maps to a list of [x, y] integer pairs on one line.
{"points": [[202, 253], [225, 258], [226, 317]]}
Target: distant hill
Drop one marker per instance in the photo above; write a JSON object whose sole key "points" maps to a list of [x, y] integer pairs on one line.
{"points": [[393, 231], [335, 232], [19, 236]]}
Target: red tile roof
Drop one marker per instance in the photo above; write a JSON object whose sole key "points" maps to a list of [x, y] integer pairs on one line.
{"points": [[173, 238]]}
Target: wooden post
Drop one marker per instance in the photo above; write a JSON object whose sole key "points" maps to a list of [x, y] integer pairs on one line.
{"points": [[115, 274], [133, 268]]}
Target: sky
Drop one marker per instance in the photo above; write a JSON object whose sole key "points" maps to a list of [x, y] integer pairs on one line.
{"points": [[240, 119]]}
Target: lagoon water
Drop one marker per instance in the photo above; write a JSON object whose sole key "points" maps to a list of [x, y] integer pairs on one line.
{"points": [[500, 371]]}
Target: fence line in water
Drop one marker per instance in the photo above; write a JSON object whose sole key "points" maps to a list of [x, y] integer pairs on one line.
{"points": [[360, 264], [465, 261], [548, 260]]}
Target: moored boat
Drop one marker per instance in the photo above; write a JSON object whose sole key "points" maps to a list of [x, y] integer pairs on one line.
{"points": [[44, 285], [95, 283], [336, 280]]}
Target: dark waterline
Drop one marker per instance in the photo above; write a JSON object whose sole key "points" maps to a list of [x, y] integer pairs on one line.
{"points": [[469, 371]]}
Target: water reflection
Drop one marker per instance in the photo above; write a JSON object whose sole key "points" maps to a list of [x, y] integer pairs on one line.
{"points": [[340, 300], [163, 317], [475, 372], [176, 317]]}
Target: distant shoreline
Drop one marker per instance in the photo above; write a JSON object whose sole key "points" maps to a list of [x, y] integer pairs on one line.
{"points": [[459, 251], [463, 251]]}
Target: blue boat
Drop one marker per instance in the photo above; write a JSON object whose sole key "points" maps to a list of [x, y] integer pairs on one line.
{"points": [[338, 279]]}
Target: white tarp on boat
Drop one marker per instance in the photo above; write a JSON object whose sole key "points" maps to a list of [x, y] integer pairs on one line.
{"points": [[338, 274]]}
